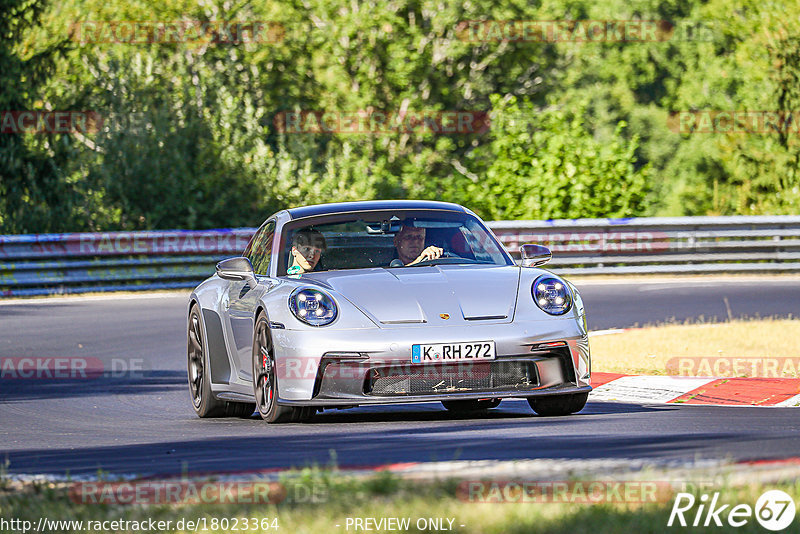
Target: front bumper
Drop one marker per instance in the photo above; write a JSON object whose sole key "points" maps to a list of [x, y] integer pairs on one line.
{"points": [[559, 390], [373, 366]]}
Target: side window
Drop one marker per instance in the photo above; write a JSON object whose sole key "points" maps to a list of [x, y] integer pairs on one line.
{"points": [[259, 250]]}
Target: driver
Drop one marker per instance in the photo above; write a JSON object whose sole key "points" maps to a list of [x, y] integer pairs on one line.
{"points": [[410, 244], [307, 248]]}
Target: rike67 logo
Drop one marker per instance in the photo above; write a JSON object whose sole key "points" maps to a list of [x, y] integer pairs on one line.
{"points": [[774, 511]]}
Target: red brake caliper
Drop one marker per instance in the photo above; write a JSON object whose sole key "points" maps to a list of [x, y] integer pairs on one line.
{"points": [[266, 363]]}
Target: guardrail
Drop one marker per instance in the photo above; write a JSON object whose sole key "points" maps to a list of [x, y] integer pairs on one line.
{"points": [[668, 245], [113, 261], [83, 262]]}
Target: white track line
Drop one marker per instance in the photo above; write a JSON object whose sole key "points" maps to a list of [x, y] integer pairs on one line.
{"points": [[660, 389]]}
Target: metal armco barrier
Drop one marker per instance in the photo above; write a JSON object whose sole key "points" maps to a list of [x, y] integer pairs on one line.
{"points": [[83, 262], [113, 261], [666, 245]]}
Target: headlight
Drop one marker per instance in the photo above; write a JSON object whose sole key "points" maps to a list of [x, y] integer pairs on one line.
{"points": [[312, 306], [551, 295]]}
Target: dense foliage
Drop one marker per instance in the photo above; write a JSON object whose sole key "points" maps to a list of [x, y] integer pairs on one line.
{"points": [[190, 135]]}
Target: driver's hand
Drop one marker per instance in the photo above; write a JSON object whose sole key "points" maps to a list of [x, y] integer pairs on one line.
{"points": [[430, 253]]}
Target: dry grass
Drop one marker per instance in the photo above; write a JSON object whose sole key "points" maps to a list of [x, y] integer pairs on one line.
{"points": [[767, 348]]}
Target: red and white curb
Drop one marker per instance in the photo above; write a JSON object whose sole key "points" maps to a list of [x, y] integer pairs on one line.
{"points": [[718, 471], [775, 392]]}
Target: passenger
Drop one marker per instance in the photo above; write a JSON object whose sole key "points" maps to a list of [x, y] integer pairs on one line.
{"points": [[410, 244], [307, 248]]}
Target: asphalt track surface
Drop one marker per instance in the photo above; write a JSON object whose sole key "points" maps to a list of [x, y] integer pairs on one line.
{"points": [[142, 423]]}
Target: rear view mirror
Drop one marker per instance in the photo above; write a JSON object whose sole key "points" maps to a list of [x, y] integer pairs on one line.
{"points": [[534, 255], [391, 226], [236, 269]]}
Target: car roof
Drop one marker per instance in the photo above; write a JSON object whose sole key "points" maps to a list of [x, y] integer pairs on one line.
{"points": [[372, 205]]}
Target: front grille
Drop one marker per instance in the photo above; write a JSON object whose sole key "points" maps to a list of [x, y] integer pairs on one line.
{"points": [[450, 378]]}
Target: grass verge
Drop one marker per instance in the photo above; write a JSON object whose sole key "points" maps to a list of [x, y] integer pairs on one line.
{"points": [[383, 496], [766, 348]]}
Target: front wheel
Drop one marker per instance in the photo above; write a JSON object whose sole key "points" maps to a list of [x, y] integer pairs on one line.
{"points": [[203, 400], [265, 381], [552, 405]]}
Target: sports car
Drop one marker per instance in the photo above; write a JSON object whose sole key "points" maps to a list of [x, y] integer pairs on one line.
{"points": [[383, 302]]}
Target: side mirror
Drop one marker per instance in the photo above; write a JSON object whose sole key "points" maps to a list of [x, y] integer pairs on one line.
{"points": [[236, 269], [534, 255]]}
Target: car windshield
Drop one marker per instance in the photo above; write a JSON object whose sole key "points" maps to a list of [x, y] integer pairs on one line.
{"points": [[398, 239]]}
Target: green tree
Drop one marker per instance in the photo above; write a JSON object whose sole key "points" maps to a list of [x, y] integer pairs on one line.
{"points": [[35, 191], [544, 164]]}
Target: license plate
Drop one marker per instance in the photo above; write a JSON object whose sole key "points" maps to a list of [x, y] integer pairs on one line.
{"points": [[449, 352]]}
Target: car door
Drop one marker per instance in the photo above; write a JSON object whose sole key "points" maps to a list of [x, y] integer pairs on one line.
{"points": [[243, 297]]}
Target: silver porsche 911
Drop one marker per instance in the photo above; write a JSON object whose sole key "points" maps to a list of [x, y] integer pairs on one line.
{"points": [[341, 305]]}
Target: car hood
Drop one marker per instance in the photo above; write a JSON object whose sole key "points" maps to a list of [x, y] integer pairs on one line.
{"points": [[442, 294]]}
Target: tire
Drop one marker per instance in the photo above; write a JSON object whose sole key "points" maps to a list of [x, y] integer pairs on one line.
{"points": [[553, 405], [204, 402], [470, 406], [265, 382]]}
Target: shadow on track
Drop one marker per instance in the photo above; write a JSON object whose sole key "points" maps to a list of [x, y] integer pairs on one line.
{"points": [[503, 436], [145, 382], [509, 409]]}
